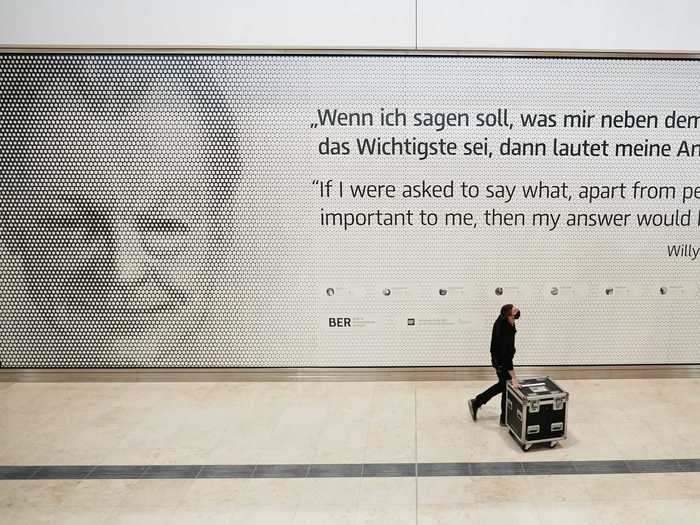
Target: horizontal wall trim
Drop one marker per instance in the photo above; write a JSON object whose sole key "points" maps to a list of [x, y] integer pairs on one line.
{"points": [[526, 53], [477, 373]]}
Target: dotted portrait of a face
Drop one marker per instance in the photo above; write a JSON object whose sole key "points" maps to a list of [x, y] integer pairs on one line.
{"points": [[115, 172]]}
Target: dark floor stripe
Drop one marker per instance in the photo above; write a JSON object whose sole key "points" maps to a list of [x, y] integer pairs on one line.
{"points": [[497, 469], [117, 472], [172, 472], [17, 472], [388, 470], [689, 465], [351, 470], [653, 465], [335, 471], [444, 469], [601, 467], [227, 471], [63, 472], [548, 467], [281, 471]]}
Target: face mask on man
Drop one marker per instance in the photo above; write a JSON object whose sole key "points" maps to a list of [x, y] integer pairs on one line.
{"points": [[517, 315]]}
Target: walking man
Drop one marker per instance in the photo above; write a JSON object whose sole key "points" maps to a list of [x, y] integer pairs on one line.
{"points": [[502, 353]]}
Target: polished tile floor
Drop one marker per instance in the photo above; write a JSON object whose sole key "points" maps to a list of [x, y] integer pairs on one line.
{"points": [[311, 423]]}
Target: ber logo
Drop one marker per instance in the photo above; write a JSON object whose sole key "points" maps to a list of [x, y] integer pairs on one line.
{"points": [[338, 322]]}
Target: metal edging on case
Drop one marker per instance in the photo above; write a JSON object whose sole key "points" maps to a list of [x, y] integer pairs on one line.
{"points": [[523, 426], [523, 407], [551, 396]]}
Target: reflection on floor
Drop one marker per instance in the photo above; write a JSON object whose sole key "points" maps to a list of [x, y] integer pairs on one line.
{"points": [[341, 423]]}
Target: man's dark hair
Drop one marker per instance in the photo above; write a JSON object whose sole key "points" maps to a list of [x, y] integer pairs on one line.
{"points": [[506, 309]]}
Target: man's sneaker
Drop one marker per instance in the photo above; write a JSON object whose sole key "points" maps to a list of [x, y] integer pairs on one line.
{"points": [[472, 409]]}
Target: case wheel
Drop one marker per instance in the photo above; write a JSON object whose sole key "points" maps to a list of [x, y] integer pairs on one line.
{"points": [[525, 447], [553, 444]]}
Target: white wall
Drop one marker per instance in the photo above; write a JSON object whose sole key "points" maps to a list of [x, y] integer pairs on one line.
{"points": [[651, 25], [668, 25], [250, 23]]}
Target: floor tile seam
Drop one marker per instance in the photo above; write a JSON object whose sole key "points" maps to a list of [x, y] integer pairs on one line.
{"points": [[87, 476], [415, 448], [368, 425]]}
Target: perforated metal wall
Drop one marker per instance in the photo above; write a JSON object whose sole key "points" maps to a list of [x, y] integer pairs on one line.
{"points": [[158, 210]]}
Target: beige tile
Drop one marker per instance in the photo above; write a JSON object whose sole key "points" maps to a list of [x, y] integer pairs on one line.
{"points": [[510, 489], [151, 493], [447, 490], [22, 395], [626, 513], [235, 447], [446, 432], [127, 515], [40, 445], [643, 487], [446, 514], [187, 516], [299, 448], [337, 514], [674, 511], [329, 491], [144, 444], [343, 437], [492, 489], [32, 515], [98, 494], [221, 495], [35, 493], [342, 442], [387, 491], [80, 516], [671, 486], [388, 443], [170, 395], [389, 514], [392, 433], [637, 440], [263, 491], [294, 436], [566, 513], [267, 514], [614, 487], [685, 445], [186, 445], [558, 488], [506, 513]]}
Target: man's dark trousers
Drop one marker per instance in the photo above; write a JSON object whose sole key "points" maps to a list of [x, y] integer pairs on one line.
{"points": [[498, 388]]}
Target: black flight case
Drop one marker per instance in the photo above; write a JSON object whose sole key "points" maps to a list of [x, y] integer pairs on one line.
{"points": [[536, 412]]}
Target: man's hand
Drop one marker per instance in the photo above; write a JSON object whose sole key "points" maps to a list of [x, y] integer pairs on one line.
{"points": [[513, 379]]}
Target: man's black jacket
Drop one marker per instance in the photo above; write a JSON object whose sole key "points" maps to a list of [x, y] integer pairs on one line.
{"points": [[503, 343]]}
